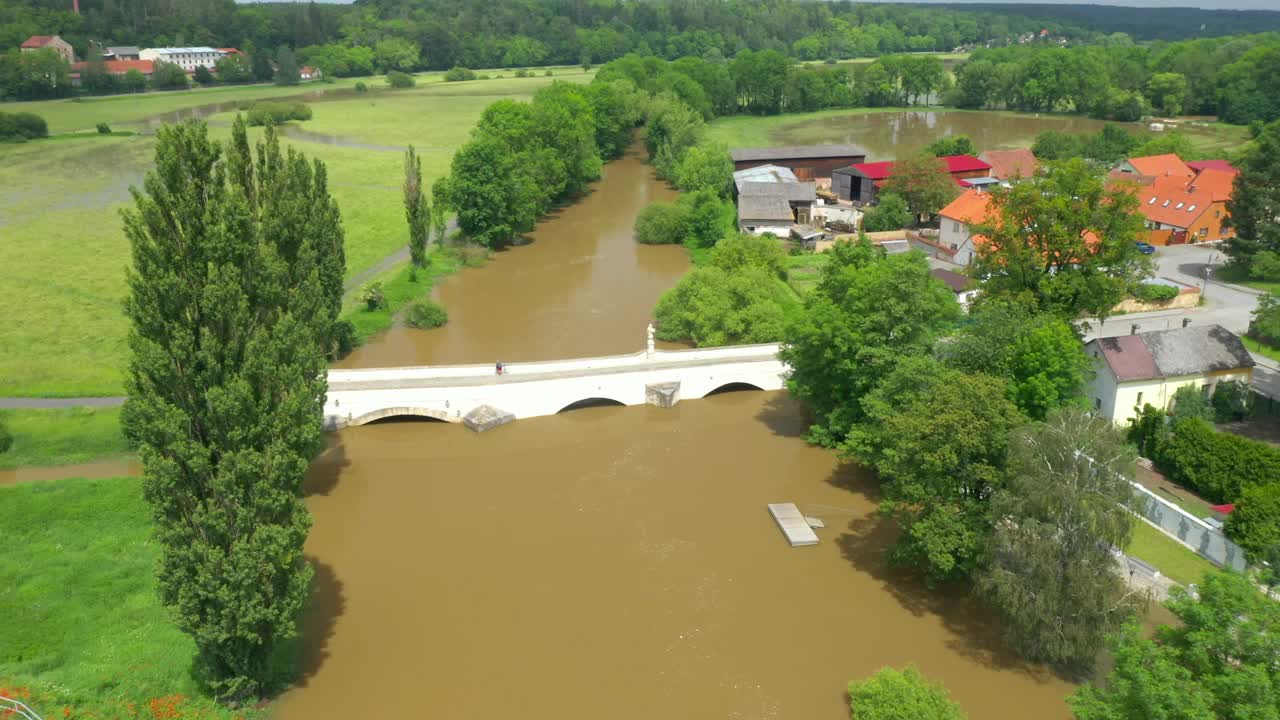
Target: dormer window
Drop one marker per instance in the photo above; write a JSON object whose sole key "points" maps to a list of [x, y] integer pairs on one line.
{"points": [[1152, 201], [1192, 207], [1165, 203], [1178, 206]]}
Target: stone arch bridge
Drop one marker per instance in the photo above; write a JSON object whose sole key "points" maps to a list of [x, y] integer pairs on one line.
{"points": [[481, 398]]}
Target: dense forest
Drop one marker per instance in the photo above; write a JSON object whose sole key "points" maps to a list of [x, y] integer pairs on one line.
{"points": [[1034, 58], [532, 32]]}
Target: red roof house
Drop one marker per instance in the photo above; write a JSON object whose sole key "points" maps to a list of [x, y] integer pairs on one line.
{"points": [[859, 182], [1202, 165], [50, 42]]}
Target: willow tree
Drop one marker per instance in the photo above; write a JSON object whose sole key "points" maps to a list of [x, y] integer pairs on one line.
{"points": [[231, 298], [416, 210]]}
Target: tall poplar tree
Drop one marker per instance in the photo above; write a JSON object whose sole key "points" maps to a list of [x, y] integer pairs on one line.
{"points": [[416, 210], [231, 304]]}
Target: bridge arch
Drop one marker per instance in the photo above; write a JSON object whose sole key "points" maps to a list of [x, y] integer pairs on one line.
{"points": [[732, 386], [594, 401], [421, 412]]}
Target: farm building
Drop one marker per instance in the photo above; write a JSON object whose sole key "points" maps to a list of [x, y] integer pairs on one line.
{"points": [[858, 183], [806, 161]]}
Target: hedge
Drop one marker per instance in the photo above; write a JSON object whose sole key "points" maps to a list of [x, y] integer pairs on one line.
{"points": [[1217, 465]]}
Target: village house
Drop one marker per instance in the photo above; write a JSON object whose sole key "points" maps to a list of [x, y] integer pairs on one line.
{"points": [[1148, 368], [309, 73], [187, 58], [859, 182], [114, 67], [962, 286], [50, 42], [771, 200], [1180, 202], [808, 162], [1011, 165], [122, 52], [956, 222]]}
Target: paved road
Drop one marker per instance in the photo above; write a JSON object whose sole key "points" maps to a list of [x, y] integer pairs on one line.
{"points": [[54, 403]]}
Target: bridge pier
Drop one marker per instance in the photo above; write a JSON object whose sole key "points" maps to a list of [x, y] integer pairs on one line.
{"points": [[663, 395], [487, 417]]}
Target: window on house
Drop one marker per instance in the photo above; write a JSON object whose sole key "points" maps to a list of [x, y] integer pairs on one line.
{"points": [[1139, 403], [1097, 403], [1204, 232]]}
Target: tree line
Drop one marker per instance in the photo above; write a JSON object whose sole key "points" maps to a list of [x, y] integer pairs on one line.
{"points": [[1234, 78]]}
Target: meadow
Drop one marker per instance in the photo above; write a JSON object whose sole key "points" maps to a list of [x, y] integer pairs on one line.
{"points": [[63, 255], [62, 436], [84, 632]]}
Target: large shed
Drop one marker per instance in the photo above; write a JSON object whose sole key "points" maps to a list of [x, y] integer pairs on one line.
{"points": [[806, 161]]}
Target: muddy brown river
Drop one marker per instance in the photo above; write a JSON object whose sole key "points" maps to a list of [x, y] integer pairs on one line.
{"points": [[582, 287], [620, 562]]}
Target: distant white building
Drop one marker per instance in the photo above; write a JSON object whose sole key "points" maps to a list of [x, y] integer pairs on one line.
{"points": [[1147, 368], [187, 58]]}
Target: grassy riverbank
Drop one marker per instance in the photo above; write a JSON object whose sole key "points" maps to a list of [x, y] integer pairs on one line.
{"points": [[1171, 558], [400, 287], [64, 251], [62, 436], [84, 633]]}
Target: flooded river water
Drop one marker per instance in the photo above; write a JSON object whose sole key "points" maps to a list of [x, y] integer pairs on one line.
{"points": [[583, 287], [620, 562]]}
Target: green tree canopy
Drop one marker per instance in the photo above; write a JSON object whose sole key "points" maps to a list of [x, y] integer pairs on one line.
{"points": [[1062, 242], [952, 145], [923, 181], [711, 307], [903, 694], [866, 314], [232, 311], [706, 165], [1255, 199], [1050, 573], [889, 213]]}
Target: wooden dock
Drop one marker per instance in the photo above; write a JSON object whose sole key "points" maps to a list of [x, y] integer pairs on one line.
{"points": [[793, 524]]}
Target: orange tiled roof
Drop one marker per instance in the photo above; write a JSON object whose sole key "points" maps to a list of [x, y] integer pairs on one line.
{"points": [[1215, 182], [1168, 164], [1010, 164], [1170, 201], [37, 41], [120, 67], [970, 208]]}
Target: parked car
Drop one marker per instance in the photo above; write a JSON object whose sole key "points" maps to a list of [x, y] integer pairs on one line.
{"points": [[1145, 248]]}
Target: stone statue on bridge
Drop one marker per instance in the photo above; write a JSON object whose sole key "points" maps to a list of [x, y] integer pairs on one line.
{"points": [[649, 338]]}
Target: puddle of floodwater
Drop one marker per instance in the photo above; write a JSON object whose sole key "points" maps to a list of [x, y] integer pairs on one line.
{"points": [[583, 287], [117, 467], [890, 135], [620, 562]]}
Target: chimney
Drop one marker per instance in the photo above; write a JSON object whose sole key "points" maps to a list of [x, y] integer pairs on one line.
{"points": [[1186, 322]]}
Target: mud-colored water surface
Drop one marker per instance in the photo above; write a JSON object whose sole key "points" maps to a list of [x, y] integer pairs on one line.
{"points": [[890, 135], [620, 562], [582, 287]]}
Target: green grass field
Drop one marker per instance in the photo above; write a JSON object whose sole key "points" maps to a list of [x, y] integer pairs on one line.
{"points": [[1173, 559], [84, 633], [62, 437], [64, 253]]}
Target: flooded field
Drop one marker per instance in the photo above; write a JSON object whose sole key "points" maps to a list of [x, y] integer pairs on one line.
{"points": [[582, 287], [890, 135], [620, 562]]}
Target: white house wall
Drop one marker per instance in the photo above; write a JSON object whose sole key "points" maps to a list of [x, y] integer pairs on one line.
{"points": [[1121, 401], [955, 234]]}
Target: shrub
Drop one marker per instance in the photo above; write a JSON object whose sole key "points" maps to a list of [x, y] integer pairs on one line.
{"points": [[19, 127], [548, 73], [260, 113], [372, 296], [661, 223], [890, 214], [711, 307], [472, 256], [400, 80], [1189, 401], [1155, 292], [361, 87], [344, 337], [425, 314], [1266, 320], [1255, 523], [6, 438], [483, 77], [1265, 266], [458, 74], [1231, 401], [740, 252], [203, 76], [522, 73], [1215, 464], [104, 129]]}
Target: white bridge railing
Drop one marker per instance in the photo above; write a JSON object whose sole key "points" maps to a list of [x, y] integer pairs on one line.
{"points": [[9, 706]]}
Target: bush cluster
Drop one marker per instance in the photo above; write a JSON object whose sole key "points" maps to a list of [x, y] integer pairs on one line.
{"points": [[425, 314], [459, 74], [275, 113], [21, 127], [6, 438], [1155, 292], [400, 80]]}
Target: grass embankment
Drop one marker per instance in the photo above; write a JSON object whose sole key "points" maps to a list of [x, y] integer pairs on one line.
{"points": [[1261, 348], [64, 252], [62, 437], [1173, 559], [84, 633], [400, 287]]}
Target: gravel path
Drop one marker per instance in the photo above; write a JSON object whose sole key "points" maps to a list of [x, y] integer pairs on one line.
{"points": [[54, 403]]}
